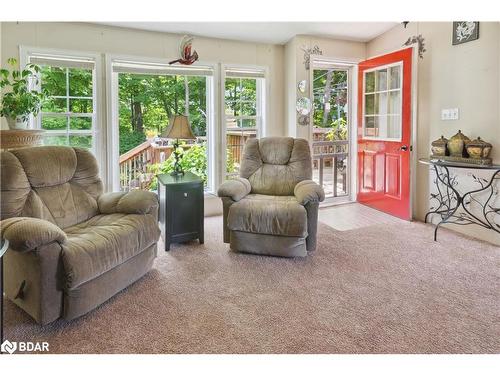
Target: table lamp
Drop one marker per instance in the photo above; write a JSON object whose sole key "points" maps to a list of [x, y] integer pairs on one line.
{"points": [[178, 128]]}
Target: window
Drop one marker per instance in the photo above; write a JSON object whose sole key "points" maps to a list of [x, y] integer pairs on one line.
{"points": [[147, 96], [382, 103], [69, 114], [244, 113]]}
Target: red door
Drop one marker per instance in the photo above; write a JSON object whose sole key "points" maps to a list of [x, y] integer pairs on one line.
{"points": [[384, 133]]}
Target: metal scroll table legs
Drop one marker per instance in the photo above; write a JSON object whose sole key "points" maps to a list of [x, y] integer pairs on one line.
{"points": [[449, 200]]}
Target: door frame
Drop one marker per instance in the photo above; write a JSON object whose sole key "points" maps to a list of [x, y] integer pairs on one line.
{"points": [[414, 127], [351, 65]]}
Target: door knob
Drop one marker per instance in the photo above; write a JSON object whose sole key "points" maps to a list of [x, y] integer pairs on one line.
{"points": [[403, 148]]}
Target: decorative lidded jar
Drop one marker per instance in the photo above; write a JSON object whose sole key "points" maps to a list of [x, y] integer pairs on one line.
{"points": [[478, 149], [456, 144], [438, 147]]}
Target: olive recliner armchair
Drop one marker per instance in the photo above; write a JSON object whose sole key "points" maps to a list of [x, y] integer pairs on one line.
{"points": [[71, 246], [272, 208]]}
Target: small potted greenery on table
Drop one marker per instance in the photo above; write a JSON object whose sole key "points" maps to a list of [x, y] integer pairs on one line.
{"points": [[19, 102]]}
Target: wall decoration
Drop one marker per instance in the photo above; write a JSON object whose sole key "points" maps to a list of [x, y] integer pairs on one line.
{"points": [[186, 56], [421, 44], [304, 120], [307, 54], [301, 86], [465, 31], [303, 106]]}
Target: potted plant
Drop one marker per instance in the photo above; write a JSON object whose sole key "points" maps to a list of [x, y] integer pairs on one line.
{"points": [[19, 102]]}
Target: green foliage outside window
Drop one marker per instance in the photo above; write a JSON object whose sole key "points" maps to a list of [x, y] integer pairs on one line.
{"points": [[194, 160], [146, 103], [336, 97], [338, 131]]}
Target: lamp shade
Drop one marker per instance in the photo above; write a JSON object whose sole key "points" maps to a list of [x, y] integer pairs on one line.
{"points": [[178, 128]]}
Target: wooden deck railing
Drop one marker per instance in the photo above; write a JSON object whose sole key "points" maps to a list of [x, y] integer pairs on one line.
{"points": [[134, 173]]}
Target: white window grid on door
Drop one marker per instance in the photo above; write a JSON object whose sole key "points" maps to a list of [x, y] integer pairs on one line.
{"points": [[387, 91], [238, 120]]}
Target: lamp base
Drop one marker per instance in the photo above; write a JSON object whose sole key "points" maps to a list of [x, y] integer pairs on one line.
{"points": [[177, 173]]}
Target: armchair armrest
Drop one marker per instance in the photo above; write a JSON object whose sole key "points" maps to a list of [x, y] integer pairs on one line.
{"points": [[235, 189], [132, 202], [27, 233], [308, 191]]}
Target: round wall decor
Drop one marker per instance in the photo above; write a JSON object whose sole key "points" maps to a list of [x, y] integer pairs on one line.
{"points": [[303, 106]]}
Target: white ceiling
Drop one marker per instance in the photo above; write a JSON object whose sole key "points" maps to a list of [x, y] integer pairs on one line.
{"points": [[266, 32]]}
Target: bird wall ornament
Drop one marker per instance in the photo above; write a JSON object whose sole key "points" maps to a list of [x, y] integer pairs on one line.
{"points": [[186, 56]]}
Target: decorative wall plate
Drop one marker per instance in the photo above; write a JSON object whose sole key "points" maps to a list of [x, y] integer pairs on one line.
{"points": [[301, 86], [303, 106], [303, 120]]}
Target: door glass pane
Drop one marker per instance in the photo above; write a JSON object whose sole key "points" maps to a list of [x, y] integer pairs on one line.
{"points": [[395, 77], [394, 127], [371, 126], [370, 82], [370, 104], [383, 107], [381, 103], [381, 81], [395, 102]]}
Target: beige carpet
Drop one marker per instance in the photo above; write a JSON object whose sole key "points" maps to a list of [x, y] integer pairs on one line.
{"points": [[382, 289]]}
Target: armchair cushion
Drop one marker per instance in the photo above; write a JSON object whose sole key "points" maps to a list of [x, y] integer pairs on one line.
{"points": [[26, 233], [267, 214], [235, 189], [308, 191], [132, 202], [104, 242]]}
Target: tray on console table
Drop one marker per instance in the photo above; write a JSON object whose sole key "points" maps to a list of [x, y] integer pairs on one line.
{"points": [[18, 138], [450, 200]]}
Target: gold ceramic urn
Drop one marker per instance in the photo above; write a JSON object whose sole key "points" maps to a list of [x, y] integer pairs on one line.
{"points": [[478, 149], [456, 145], [438, 147]]}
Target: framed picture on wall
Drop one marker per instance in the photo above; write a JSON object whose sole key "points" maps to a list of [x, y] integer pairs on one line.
{"points": [[465, 31]]}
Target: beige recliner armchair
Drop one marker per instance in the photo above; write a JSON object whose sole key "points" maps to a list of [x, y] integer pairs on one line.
{"points": [[272, 208], [71, 246]]}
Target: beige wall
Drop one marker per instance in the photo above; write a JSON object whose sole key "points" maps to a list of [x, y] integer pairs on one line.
{"points": [[332, 49], [467, 77], [106, 39]]}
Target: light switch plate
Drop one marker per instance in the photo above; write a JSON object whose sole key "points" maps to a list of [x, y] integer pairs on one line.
{"points": [[449, 114]]}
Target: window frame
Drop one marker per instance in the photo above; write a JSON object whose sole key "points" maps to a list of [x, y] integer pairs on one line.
{"points": [[388, 91], [35, 122], [154, 66], [262, 86]]}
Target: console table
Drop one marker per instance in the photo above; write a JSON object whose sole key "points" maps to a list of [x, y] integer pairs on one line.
{"points": [[449, 199]]}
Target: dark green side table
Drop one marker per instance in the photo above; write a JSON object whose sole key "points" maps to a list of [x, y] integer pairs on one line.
{"points": [[181, 208]]}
